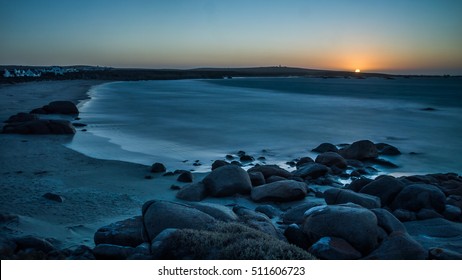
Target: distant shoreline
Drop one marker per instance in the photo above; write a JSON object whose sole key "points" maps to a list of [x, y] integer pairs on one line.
{"points": [[38, 73]]}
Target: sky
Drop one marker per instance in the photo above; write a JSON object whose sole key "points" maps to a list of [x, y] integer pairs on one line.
{"points": [[393, 36]]}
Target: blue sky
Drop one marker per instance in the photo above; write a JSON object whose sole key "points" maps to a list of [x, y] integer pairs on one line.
{"points": [[394, 36]]}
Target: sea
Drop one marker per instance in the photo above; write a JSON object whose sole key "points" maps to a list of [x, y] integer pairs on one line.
{"points": [[187, 124]]}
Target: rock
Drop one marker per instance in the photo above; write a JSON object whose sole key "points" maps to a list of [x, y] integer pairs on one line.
{"points": [[382, 162], [358, 184], [76, 124], [399, 246], [7, 248], [287, 190], [21, 117], [331, 159], [58, 107], [404, 215], [333, 248], [296, 214], [443, 254], [325, 147], [185, 177], [246, 158], [257, 221], [40, 127], [271, 170], [175, 187], [294, 235], [193, 192], [219, 163], [112, 252], [314, 170], [273, 179], [123, 233], [451, 187], [452, 213], [388, 221], [159, 215], [53, 197], [304, 160], [387, 149], [418, 196], [268, 210], [436, 233], [32, 242], [385, 187], [227, 180], [356, 225], [341, 196], [257, 178], [360, 150], [454, 200], [217, 211], [229, 157], [158, 168], [82, 252], [425, 214], [157, 244]]}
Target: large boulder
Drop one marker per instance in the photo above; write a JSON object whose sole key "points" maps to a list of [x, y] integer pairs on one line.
{"points": [[285, 190], [333, 248], [399, 246], [123, 233], [58, 107], [385, 187], [388, 221], [227, 180], [192, 192], [331, 159], [270, 170], [360, 150], [40, 127], [313, 171], [341, 196], [418, 196], [296, 214], [217, 211], [436, 233], [159, 215], [355, 224]]}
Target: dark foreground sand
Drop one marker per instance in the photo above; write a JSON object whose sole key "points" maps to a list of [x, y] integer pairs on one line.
{"points": [[96, 192]]}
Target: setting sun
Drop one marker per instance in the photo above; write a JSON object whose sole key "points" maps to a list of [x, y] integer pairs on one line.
{"points": [[357, 71]]}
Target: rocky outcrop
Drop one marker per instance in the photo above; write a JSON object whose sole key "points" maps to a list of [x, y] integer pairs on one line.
{"points": [[57, 107], [40, 127]]}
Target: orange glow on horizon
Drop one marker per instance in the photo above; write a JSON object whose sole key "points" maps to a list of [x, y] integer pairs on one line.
{"points": [[357, 71]]}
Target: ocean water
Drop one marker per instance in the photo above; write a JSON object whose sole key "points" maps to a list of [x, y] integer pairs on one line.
{"points": [[183, 121]]}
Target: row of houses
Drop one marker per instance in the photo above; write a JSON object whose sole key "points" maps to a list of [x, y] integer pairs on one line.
{"points": [[37, 72]]}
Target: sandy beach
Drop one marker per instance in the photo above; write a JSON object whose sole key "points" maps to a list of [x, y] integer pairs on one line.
{"points": [[96, 192]]}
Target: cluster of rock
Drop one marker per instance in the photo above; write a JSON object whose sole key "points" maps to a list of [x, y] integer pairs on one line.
{"points": [[410, 217], [367, 219], [30, 123]]}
